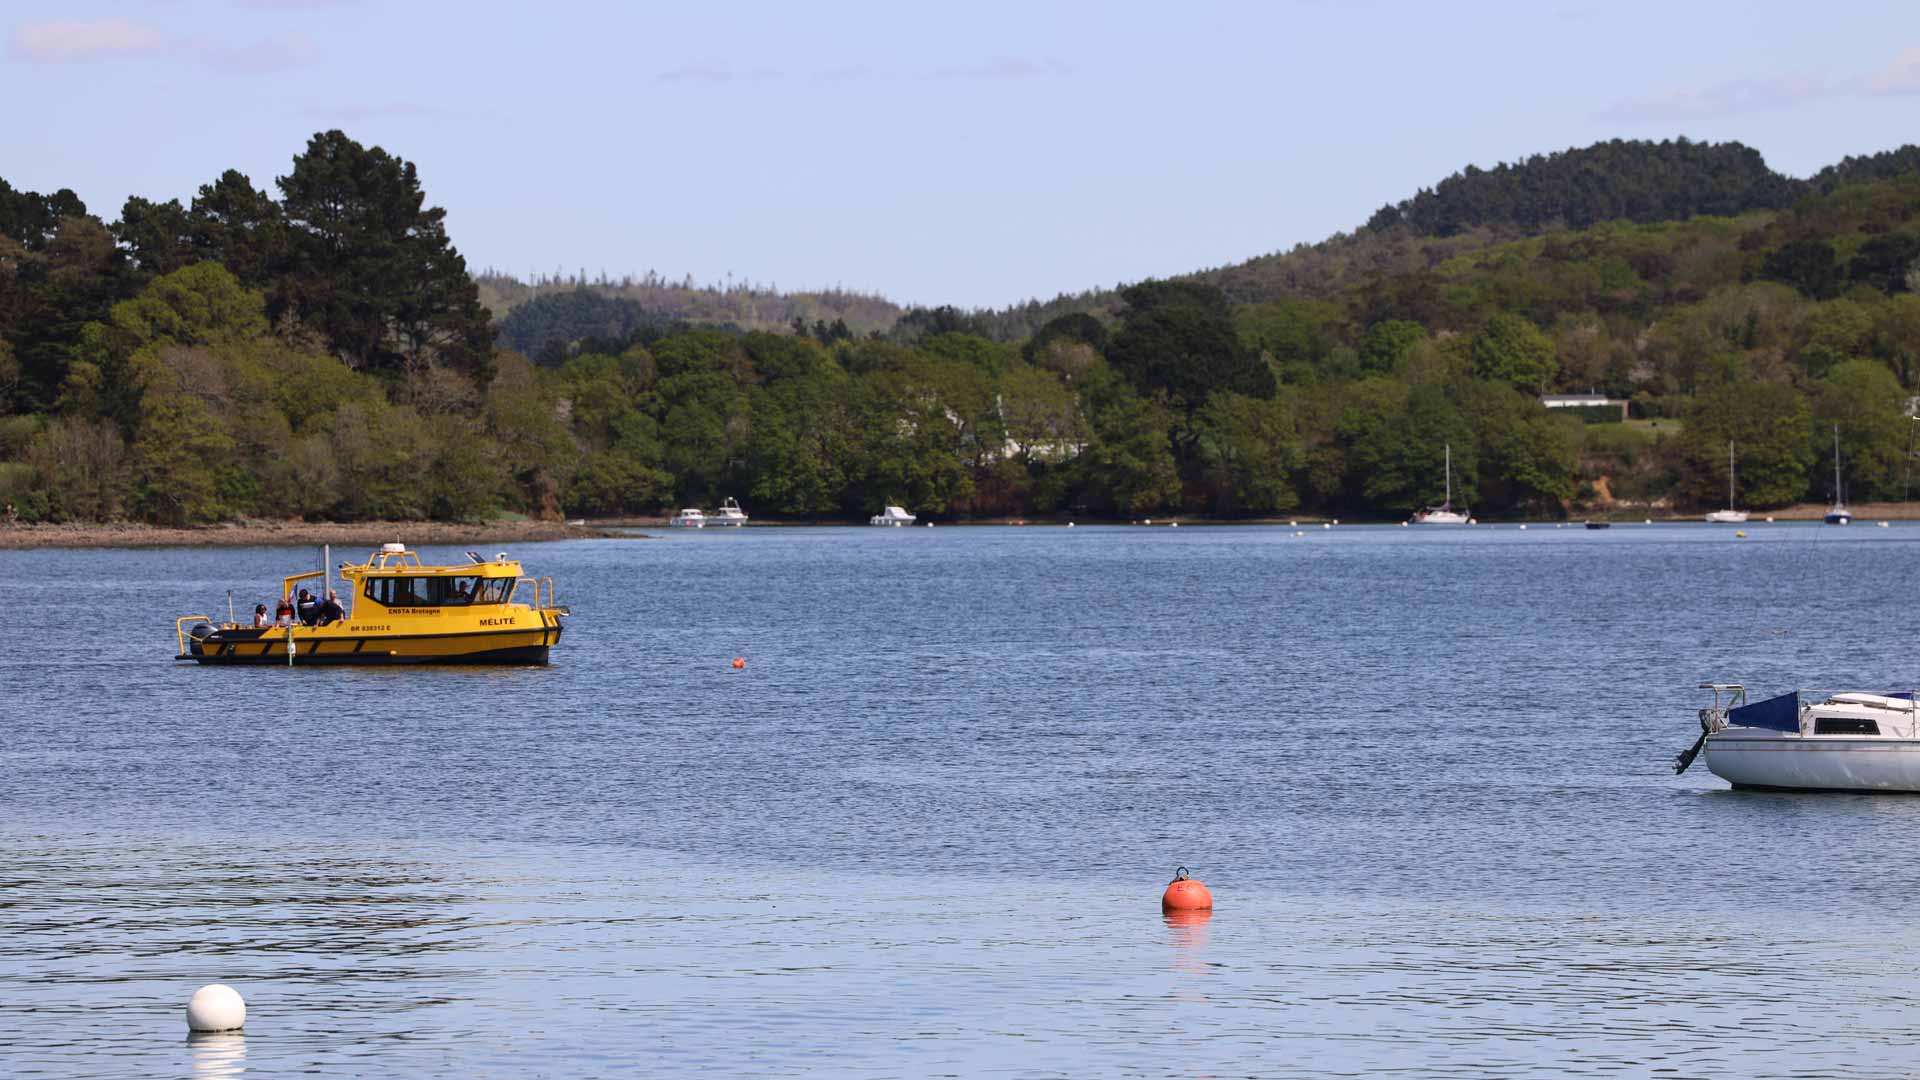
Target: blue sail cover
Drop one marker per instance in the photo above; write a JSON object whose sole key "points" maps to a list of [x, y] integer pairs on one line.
{"points": [[1776, 713]]}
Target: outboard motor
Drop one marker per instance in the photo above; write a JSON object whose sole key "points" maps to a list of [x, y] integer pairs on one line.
{"points": [[199, 633]]}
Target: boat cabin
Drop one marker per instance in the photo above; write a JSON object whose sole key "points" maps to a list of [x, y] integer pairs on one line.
{"points": [[1803, 713]]}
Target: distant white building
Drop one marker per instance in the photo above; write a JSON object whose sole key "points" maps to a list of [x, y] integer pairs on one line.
{"points": [[1584, 401]]}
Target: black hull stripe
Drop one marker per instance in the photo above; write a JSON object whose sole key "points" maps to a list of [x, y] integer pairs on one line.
{"points": [[518, 654]]}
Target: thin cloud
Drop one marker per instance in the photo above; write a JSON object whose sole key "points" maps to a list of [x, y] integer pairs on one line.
{"points": [[108, 40], [849, 73], [360, 114], [1009, 67], [1721, 99], [716, 75], [1899, 77], [268, 56], [79, 42]]}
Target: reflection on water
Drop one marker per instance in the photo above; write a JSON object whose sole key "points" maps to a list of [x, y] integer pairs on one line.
{"points": [[217, 1055], [925, 830]]}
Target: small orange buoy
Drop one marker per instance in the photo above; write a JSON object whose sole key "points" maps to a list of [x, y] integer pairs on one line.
{"points": [[1185, 894], [739, 662]]}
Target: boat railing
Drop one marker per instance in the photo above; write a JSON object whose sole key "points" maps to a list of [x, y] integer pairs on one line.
{"points": [[1715, 718], [180, 629], [543, 594]]}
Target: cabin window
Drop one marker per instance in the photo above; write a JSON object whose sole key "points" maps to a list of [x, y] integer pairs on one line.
{"points": [[1845, 725], [461, 591], [436, 591]]}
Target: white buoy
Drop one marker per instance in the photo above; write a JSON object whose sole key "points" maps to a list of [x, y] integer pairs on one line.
{"points": [[1403, 524], [1336, 521], [1294, 522], [1649, 521], [1523, 526], [1149, 521], [1176, 525], [1769, 521], [216, 1007], [1325, 525], [1069, 524], [1883, 525]]}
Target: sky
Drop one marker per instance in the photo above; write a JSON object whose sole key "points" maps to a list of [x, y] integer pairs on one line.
{"points": [[974, 154]]}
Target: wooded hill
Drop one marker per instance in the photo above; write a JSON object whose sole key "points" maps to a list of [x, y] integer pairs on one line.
{"points": [[326, 353]]}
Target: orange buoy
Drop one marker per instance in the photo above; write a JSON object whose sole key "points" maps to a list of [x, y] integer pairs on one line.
{"points": [[1185, 894], [739, 662]]}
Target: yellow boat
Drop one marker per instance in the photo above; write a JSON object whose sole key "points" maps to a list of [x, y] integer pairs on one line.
{"points": [[397, 610]]}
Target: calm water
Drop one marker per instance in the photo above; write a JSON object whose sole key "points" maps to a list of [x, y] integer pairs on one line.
{"points": [[924, 832]]}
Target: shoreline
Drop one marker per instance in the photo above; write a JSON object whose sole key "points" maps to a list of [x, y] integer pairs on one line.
{"points": [[269, 533], [259, 533]]}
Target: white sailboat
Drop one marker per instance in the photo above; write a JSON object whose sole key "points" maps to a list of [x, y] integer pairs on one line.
{"points": [[1810, 741], [1729, 516], [1839, 515], [1444, 514]]}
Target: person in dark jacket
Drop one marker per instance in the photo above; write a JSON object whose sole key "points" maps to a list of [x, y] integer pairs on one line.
{"points": [[330, 611]]}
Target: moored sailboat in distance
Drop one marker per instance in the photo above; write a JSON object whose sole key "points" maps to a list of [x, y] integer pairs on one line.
{"points": [[1729, 516], [1444, 514], [1839, 515]]}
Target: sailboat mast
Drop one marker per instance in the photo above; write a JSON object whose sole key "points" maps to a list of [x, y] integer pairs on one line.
{"points": [[1836, 465], [1729, 474], [1449, 501]]}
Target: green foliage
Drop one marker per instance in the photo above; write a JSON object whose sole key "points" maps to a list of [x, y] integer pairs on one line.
{"points": [[1388, 343], [575, 316], [325, 355], [373, 269], [1528, 458], [79, 465], [176, 461], [1832, 334], [1866, 403], [1769, 425], [1179, 338], [1251, 450], [1512, 350], [1127, 467], [1297, 334], [1640, 181]]}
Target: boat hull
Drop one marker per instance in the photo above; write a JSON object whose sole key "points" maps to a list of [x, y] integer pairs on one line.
{"points": [[1728, 517], [243, 647], [1780, 761]]}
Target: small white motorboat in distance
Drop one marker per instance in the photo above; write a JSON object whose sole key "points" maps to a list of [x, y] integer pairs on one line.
{"points": [[690, 518], [1810, 740], [728, 514], [892, 516]]}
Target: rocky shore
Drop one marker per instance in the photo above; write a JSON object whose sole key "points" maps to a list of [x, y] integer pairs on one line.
{"points": [[272, 533]]}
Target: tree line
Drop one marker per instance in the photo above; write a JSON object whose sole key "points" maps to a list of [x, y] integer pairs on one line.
{"points": [[325, 354]]}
